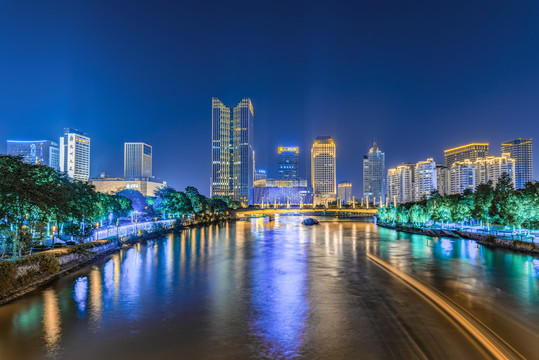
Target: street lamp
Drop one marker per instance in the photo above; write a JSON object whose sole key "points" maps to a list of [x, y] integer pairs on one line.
{"points": [[53, 231], [117, 230]]}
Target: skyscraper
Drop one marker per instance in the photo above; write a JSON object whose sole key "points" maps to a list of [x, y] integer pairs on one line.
{"points": [[345, 192], [521, 151], [374, 171], [425, 178], [137, 160], [323, 169], [39, 152], [287, 163], [233, 151], [465, 152], [75, 154]]}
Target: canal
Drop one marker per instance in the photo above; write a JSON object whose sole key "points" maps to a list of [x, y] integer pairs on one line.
{"points": [[277, 290]]}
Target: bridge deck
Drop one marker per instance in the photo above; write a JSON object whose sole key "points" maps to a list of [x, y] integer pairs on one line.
{"points": [[267, 212]]}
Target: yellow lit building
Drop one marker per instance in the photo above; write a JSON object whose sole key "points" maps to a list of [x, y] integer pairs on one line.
{"points": [[146, 187], [323, 170], [490, 168], [465, 152]]}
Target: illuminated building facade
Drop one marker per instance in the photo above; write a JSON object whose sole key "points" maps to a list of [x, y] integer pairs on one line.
{"points": [[465, 152], [400, 184], [287, 163], [233, 151], [521, 151], [39, 152], [323, 170], [137, 160], [425, 180], [260, 175], [374, 172], [491, 168], [462, 176], [344, 192], [75, 154], [443, 180], [146, 187]]}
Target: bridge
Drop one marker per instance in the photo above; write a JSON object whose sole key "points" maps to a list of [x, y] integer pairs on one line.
{"points": [[359, 212]]}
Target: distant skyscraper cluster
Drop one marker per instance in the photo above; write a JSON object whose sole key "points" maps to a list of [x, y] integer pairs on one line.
{"points": [[72, 156], [465, 167]]}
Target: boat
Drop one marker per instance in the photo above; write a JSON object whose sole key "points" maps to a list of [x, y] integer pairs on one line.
{"points": [[310, 221]]}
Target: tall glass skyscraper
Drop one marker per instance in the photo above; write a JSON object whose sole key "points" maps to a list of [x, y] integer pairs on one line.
{"points": [[323, 170], [233, 151], [374, 171], [75, 154], [287, 163], [521, 151], [137, 160], [39, 152]]}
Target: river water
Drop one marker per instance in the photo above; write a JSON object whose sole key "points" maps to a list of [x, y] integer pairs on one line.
{"points": [[277, 290]]}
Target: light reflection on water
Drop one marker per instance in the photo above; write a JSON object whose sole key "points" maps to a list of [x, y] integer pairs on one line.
{"points": [[271, 288]]}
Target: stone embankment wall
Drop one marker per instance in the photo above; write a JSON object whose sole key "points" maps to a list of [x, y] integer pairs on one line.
{"points": [[487, 240]]}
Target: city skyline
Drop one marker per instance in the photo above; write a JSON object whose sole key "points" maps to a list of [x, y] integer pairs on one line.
{"points": [[339, 76]]}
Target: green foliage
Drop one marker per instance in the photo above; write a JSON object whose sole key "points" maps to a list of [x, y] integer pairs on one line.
{"points": [[501, 205], [32, 196]]}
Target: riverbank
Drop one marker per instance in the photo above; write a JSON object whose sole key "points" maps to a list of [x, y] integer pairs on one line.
{"points": [[23, 276], [483, 239]]}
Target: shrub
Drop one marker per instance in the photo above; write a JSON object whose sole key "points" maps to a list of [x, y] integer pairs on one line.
{"points": [[490, 239], [48, 263]]}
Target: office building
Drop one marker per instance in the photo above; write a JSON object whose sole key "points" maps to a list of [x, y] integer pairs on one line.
{"points": [[287, 163], [233, 151], [323, 170], [344, 192], [424, 179], [137, 160], [38, 152], [145, 186], [521, 151], [75, 154], [491, 168], [400, 184], [462, 176], [374, 172], [465, 152]]}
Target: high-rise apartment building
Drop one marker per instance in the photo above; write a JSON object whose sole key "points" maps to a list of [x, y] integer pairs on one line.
{"points": [[75, 154], [491, 168], [233, 151], [443, 179], [39, 152], [425, 180], [521, 151], [462, 176], [323, 169], [137, 160], [287, 163], [465, 152], [344, 192], [399, 184], [374, 172]]}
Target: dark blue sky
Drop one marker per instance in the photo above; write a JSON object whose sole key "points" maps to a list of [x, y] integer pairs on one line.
{"points": [[419, 76]]}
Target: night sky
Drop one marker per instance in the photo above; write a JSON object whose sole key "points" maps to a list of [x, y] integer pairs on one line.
{"points": [[417, 76]]}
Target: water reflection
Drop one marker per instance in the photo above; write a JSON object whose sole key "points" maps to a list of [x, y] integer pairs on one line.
{"points": [[80, 294], [51, 322], [258, 289], [279, 296]]}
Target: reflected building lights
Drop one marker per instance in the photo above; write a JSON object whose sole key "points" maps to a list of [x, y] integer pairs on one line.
{"points": [[96, 294], [52, 326]]}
